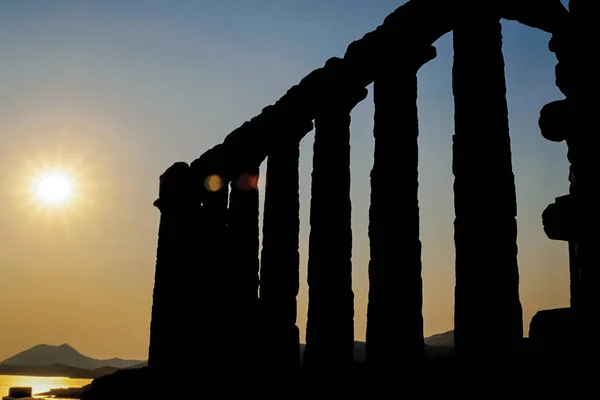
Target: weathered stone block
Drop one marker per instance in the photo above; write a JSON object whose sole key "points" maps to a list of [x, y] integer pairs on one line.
{"points": [[19, 392]]}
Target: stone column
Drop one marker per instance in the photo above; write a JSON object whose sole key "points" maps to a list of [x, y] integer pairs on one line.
{"points": [[394, 317], [216, 329], [578, 77], [280, 258], [487, 306], [330, 325], [242, 266], [574, 120], [179, 208]]}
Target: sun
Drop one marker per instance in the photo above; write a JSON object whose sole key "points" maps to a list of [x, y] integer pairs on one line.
{"points": [[53, 188]]}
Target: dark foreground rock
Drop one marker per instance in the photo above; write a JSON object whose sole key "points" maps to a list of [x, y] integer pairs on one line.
{"points": [[123, 384], [67, 393], [487, 376]]}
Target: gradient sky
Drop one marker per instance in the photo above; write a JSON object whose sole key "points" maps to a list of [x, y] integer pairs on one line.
{"points": [[115, 92]]}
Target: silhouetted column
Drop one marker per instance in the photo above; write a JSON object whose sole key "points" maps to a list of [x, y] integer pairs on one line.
{"points": [[179, 208], [575, 120], [394, 317], [242, 266], [330, 324], [280, 259], [279, 275], [487, 306], [578, 77], [574, 276], [212, 290]]}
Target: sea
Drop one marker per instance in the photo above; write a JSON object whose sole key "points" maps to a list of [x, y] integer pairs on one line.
{"points": [[39, 384]]}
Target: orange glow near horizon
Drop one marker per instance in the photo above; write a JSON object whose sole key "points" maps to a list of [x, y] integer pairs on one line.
{"points": [[40, 384], [78, 233]]}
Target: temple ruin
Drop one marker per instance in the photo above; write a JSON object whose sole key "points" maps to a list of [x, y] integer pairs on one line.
{"points": [[210, 220]]}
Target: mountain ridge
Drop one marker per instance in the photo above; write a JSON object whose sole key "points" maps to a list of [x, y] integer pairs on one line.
{"points": [[438, 345], [445, 339], [44, 355]]}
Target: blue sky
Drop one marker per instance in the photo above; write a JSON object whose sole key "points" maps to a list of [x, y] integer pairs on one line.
{"points": [[121, 90]]}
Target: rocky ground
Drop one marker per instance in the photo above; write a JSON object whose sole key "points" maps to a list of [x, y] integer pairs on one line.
{"points": [[485, 378]]}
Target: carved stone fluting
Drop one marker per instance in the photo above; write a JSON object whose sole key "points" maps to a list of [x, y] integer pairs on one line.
{"points": [[330, 324], [242, 265], [179, 209], [280, 258], [394, 316], [578, 79], [216, 327], [485, 228]]}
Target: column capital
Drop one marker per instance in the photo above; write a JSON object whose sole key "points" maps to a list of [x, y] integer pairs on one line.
{"points": [[557, 219], [209, 171], [556, 119], [174, 187], [339, 89]]}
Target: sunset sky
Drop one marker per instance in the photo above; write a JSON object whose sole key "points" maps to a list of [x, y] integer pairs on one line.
{"points": [[113, 92]]}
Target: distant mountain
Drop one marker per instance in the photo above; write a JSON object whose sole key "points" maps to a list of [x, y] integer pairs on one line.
{"points": [[445, 339], [439, 345], [46, 355], [360, 351], [140, 365], [66, 356]]}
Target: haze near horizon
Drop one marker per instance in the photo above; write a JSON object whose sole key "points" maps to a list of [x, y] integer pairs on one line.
{"points": [[108, 95]]}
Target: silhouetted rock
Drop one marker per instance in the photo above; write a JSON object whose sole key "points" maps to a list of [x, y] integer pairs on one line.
{"points": [[19, 392], [66, 393], [487, 276], [139, 383], [394, 317]]}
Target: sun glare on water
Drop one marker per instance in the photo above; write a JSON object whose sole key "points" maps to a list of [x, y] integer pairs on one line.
{"points": [[53, 188]]}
